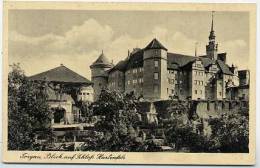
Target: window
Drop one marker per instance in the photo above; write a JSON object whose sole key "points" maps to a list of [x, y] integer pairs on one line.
{"points": [[134, 81], [141, 80], [196, 92], [134, 70], [128, 82], [220, 93], [156, 63], [172, 91], [156, 88], [195, 82], [167, 90], [156, 75], [200, 91]]}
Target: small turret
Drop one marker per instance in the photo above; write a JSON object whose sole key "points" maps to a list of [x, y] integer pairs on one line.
{"points": [[99, 73]]}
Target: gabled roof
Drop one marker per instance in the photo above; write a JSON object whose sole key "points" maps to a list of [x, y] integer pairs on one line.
{"points": [[223, 67], [155, 44], [174, 60], [60, 74], [206, 61]]}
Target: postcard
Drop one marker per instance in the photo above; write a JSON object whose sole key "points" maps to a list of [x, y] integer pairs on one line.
{"points": [[129, 83]]}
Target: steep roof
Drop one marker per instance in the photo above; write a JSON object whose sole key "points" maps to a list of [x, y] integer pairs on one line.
{"points": [[206, 61], [102, 60], [175, 61], [155, 44], [179, 59], [120, 66], [60, 74], [224, 68], [135, 60]]}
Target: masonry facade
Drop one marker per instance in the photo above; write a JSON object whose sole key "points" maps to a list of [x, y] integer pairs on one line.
{"points": [[154, 73]]}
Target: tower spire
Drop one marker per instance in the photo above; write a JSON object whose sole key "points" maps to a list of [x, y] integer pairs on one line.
{"points": [[212, 47], [212, 21], [212, 32], [196, 45]]}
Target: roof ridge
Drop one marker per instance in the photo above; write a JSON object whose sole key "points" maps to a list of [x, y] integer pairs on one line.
{"points": [[60, 74]]}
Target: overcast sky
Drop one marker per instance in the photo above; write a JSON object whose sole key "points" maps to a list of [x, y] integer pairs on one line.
{"points": [[43, 39]]}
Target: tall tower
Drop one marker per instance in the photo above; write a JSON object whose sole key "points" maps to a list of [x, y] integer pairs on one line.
{"points": [[155, 71], [99, 74], [212, 47]]}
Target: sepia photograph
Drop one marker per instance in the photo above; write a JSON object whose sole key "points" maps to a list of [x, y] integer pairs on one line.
{"points": [[112, 82]]}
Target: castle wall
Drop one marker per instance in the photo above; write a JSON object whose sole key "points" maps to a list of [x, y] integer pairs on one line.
{"points": [[197, 82], [172, 88], [116, 81], [206, 109], [134, 81], [99, 84]]}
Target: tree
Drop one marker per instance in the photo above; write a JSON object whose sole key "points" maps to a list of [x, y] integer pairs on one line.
{"points": [[230, 132], [86, 112], [119, 116], [181, 130], [28, 109]]}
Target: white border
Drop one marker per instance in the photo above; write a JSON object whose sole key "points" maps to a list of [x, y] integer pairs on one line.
{"points": [[197, 1]]}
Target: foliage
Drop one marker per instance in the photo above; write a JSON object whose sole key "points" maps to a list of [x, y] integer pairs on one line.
{"points": [[181, 130], [119, 117], [230, 132], [86, 112], [27, 109]]}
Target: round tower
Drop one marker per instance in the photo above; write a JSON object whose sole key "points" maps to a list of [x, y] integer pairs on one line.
{"points": [[155, 71], [99, 75]]}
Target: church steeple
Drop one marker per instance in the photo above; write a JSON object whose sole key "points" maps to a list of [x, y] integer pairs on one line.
{"points": [[212, 32], [212, 47]]}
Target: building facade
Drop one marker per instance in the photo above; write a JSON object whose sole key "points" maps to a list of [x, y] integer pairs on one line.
{"points": [[154, 73], [66, 91]]}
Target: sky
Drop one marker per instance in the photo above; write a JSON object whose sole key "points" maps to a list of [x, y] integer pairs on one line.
{"points": [[43, 39]]}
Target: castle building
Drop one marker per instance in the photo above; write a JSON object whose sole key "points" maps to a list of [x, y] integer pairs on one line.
{"points": [[154, 73]]}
